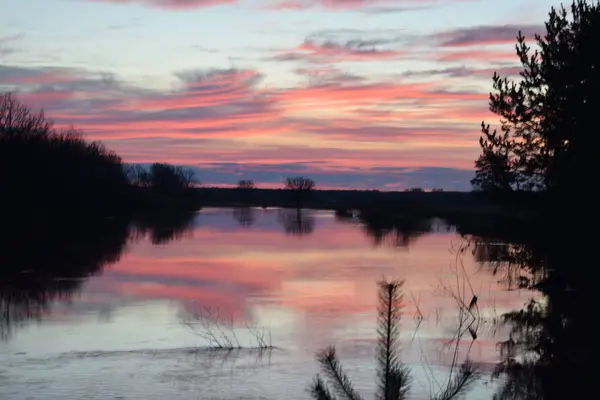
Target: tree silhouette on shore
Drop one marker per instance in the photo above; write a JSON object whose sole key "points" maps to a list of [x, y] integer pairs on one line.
{"points": [[53, 173], [546, 136], [45, 168], [299, 187]]}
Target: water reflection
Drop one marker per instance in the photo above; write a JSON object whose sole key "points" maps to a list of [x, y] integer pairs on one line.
{"points": [[517, 265], [309, 292], [46, 263], [245, 216], [297, 222], [552, 343], [164, 228], [399, 231]]}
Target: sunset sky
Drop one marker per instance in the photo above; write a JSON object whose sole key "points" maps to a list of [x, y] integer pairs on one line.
{"points": [[368, 94]]}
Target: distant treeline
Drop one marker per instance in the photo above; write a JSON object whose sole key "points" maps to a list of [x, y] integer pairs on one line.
{"points": [[426, 204]]}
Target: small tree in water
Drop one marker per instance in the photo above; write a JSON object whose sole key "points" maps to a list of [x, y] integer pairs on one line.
{"points": [[299, 187], [393, 376]]}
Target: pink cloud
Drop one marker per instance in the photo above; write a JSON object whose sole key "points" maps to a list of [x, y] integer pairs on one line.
{"points": [[368, 93], [218, 116], [288, 5], [173, 4], [348, 4]]}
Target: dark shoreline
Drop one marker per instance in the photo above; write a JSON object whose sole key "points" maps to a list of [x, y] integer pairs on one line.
{"points": [[438, 204], [512, 219]]}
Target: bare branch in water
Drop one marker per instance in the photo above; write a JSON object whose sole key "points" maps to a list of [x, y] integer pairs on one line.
{"points": [[469, 320], [207, 323], [458, 385]]}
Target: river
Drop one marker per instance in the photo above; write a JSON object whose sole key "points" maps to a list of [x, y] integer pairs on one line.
{"points": [[148, 325]]}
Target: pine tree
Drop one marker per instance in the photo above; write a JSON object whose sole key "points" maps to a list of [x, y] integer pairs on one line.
{"points": [[393, 375], [547, 116]]}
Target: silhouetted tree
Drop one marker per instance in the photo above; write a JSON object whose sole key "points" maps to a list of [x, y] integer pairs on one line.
{"points": [[166, 178], [138, 176], [246, 184], [17, 119], [545, 139], [43, 168], [393, 375], [299, 187], [162, 177], [493, 168], [164, 187]]}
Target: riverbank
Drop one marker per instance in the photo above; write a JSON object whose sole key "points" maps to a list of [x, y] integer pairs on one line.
{"points": [[426, 204]]}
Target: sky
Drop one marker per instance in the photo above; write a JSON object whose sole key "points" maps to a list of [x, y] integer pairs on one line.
{"points": [[367, 94]]}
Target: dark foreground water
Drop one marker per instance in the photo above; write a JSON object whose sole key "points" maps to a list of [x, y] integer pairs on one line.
{"points": [[144, 327]]}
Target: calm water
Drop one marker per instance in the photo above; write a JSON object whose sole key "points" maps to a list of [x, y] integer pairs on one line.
{"points": [[138, 330]]}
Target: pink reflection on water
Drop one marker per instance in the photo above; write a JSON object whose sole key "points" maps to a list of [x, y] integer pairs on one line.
{"points": [[321, 286]]}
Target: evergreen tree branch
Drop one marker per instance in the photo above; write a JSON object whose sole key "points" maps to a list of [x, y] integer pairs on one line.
{"points": [[319, 390], [393, 375], [332, 368]]}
